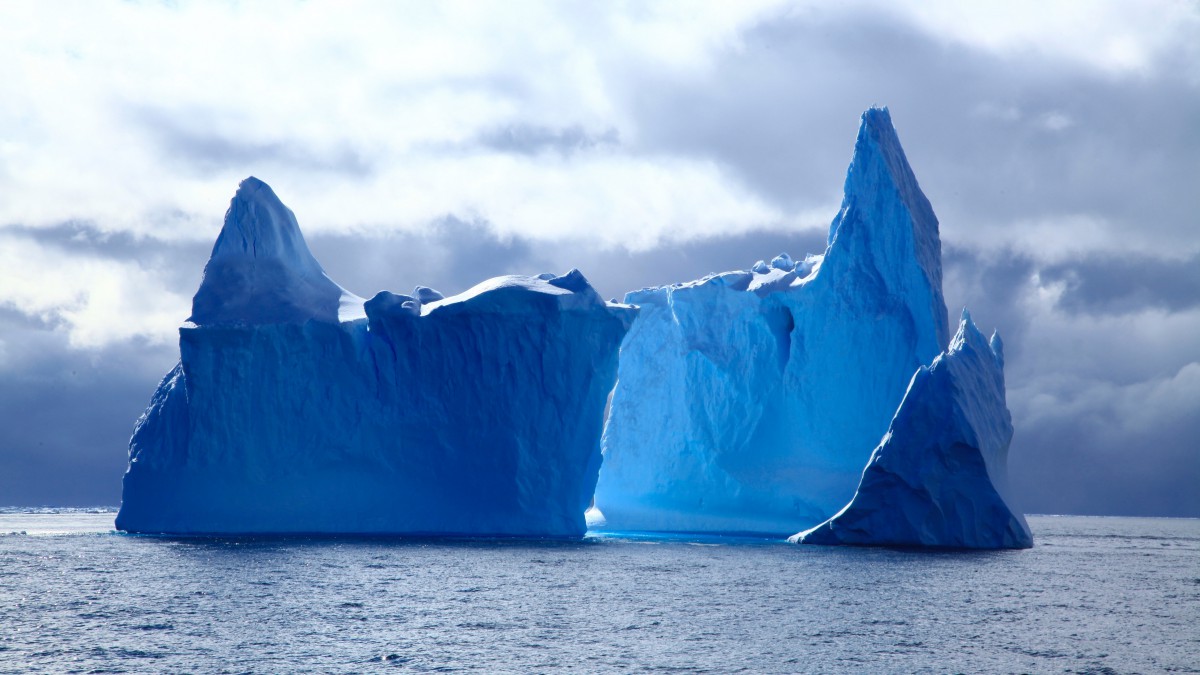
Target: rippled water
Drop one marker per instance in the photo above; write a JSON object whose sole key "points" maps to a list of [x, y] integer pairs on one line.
{"points": [[1097, 595]]}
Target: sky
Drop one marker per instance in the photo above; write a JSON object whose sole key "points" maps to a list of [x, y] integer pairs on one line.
{"points": [[644, 143]]}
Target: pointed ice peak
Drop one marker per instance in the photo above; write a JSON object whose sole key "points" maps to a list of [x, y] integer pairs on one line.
{"points": [[968, 335], [879, 165], [886, 224], [261, 270], [997, 346], [258, 225], [878, 141]]}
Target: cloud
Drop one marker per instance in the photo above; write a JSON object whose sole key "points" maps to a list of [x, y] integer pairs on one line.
{"points": [[530, 140], [664, 123], [1087, 445], [67, 414], [201, 151], [1015, 149], [456, 255], [99, 300], [1105, 36], [180, 101], [1112, 284], [1102, 370]]}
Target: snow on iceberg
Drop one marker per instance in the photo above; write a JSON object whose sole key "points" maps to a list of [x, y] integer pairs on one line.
{"points": [[749, 401], [939, 476], [298, 408]]}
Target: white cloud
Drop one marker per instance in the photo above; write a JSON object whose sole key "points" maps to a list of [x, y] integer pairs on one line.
{"points": [[96, 301], [1109, 35], [607, 199], [104, 105]]}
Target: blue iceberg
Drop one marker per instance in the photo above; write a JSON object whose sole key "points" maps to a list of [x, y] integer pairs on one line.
{"points": [[939, 477], [749, 401], [296, 407]]}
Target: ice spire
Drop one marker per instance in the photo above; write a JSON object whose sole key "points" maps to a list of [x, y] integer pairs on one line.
{"points": [[886, 221], [261, 270]]}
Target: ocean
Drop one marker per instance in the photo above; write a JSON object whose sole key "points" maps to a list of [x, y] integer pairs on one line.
{"points": [[1095, 595]]}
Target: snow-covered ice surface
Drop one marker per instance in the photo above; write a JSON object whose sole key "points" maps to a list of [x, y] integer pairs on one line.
{"points": [[750, 401], [939, 477], [298, 408]]}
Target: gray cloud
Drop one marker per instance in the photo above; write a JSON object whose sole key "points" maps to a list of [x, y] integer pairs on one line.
{"points": [[1112, 284], [68, 415], [1116, 451], [1105, 416], [529, 139], [451, 256], [979, 129], [188, 141], [179, 264], [456, 255]]}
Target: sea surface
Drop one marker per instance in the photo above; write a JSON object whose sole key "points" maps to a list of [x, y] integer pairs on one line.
{"points": [[1095, 595]]}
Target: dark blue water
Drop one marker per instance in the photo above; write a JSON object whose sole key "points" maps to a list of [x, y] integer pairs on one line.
{"points": [[1096, 595]]}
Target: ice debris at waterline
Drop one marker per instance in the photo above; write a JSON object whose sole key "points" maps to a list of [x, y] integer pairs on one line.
{"points": [[939, 476], [750, 401], [298, 408]]}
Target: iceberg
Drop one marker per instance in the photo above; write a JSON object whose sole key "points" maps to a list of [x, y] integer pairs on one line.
{"points": [[939, 477], [296, 407], [749, 401]]}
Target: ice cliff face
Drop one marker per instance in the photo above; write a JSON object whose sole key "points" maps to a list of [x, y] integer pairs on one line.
{"points": [[296, 407], [749, 401], [939, 476]]}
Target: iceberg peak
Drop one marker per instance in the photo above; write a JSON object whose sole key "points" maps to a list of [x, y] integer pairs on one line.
{"points": [[262, 272], [886, 222], [969, 335], [258, 225]]}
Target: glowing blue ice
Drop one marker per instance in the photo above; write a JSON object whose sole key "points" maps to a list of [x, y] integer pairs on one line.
{"points": [[750, 401]]}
